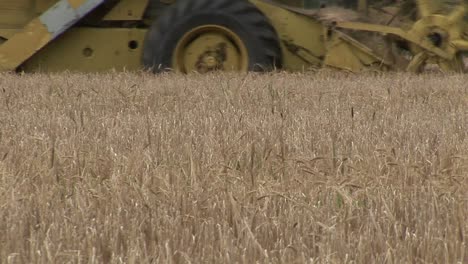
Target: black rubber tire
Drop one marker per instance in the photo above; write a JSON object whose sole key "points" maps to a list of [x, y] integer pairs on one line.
{"points": [[240, 16]]}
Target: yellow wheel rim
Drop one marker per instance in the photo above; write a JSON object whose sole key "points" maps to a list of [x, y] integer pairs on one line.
{"points": [[210, 48], [447, 31]]}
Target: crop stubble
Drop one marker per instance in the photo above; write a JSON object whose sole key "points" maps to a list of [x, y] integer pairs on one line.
{"points": [[326, 168]]}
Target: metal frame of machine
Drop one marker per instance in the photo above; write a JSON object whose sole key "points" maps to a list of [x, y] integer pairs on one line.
{"points": [[99, 35]]}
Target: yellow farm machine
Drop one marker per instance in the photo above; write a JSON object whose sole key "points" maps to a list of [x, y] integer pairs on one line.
{"points": [[232, 35]]}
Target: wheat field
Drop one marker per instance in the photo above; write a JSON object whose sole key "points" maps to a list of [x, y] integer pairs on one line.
{"points": [[226, 168]]}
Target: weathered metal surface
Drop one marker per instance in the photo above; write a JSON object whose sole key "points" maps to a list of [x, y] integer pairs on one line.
{"points": [[127, 10], [90, 50], [23, 45], [297, 29], [42, 30], [38, 35], [15, 13], [65, 13]]}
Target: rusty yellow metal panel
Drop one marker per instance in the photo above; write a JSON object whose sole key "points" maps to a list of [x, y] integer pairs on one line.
{"points": [[41, 30], [91, 50], [340, 57], [127, 10], [305, 40], [15, 4], [23, 45], [297, 3], [7, 33], [301, 37], [15, 13], [76, 3], [43, 5]]}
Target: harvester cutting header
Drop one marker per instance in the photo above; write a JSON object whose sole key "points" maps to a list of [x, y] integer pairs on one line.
{"points": [[232, 35]]}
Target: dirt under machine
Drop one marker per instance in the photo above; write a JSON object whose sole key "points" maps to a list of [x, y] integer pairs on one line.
{"points": [[208, 35]]}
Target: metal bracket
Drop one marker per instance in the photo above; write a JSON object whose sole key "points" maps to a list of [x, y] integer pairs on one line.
{"points": [[42, 30]]}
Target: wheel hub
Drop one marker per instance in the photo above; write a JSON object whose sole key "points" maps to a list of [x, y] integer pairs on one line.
{"points": [[210, 61], [214, 58], [442, 33], [210, 48], [438, 31]]}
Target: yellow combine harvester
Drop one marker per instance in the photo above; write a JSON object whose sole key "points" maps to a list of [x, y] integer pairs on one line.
{"points": [[241, 35]]}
